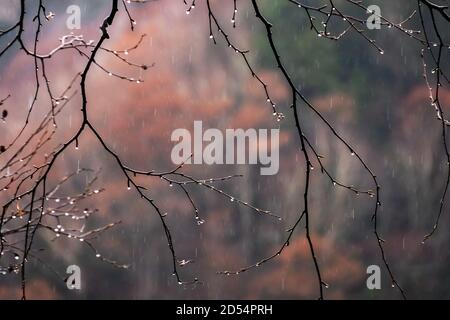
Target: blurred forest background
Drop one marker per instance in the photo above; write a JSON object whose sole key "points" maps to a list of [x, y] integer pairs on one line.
{"points": [[378, 102]]}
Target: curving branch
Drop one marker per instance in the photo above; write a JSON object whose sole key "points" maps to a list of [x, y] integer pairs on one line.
{"points": [[26, 163], [29, 181]]}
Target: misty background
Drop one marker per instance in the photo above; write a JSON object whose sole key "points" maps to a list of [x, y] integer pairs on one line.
{"points": [[379, 103]]}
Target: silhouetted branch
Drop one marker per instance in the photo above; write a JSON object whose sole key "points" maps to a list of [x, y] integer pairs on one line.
{"points": [[328, 11], [30, 181], [26, 164]]}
